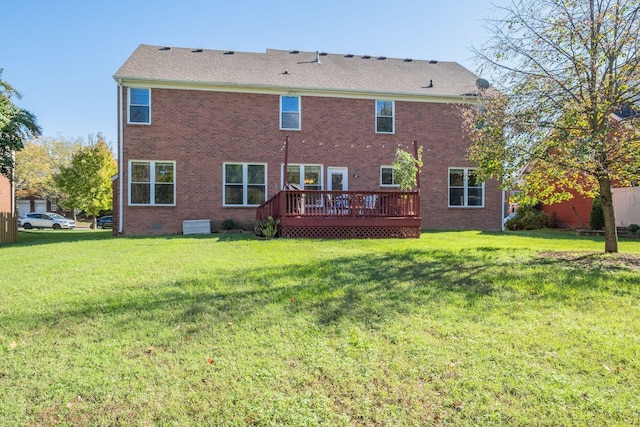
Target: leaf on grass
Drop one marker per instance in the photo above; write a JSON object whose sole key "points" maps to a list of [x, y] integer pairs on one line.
{"points": [[13, 345], [150, 349], [210, 361], [79, 399]]}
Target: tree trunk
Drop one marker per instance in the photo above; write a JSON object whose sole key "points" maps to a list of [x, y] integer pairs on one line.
{"points": [[610, 231]]}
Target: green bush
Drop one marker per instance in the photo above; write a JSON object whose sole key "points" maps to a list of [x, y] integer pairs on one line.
{"points": [[267, 228], [634, 228], [230, 224], [596, 220], [528, 218]]}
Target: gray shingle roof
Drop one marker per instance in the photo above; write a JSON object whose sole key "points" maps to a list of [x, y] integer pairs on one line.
{"points": [[293, 70]]}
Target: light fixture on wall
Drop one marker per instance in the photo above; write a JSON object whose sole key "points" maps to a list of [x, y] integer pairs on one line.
{"points": [[355, 174]]}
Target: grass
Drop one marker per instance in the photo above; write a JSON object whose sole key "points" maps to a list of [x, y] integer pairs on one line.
{"points": [[456, 328]]}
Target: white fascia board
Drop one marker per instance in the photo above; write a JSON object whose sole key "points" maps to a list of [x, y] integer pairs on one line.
{"points": [[299, 91]]}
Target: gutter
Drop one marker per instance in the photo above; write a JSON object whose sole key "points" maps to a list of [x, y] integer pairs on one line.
{"points": [[299, 90], [120, 161]]}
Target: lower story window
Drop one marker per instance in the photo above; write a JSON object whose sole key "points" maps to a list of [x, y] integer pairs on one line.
{"points": [[245, 184], [465, 190], [308, 177], [152, 183]]}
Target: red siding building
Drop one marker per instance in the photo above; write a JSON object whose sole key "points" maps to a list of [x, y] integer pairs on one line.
{"points": [[202, 132], [6, 195]]}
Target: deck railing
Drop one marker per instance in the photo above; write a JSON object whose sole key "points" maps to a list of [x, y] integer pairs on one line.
{"points": [[340, 204]]}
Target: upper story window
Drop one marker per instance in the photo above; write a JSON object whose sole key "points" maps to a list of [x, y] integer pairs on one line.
{"points": [[152, 183], [290, 112], [385, 116], [139, 106], [387, 177], [245, 184], [465, 190]]}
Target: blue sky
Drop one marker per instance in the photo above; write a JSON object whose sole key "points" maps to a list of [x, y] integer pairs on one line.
{"points": [[61, 55]]}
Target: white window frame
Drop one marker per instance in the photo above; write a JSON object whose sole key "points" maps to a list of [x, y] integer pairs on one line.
{"points": [[465, 186], [245, 184], [299, 112], [129, 105], [152, 182], [393, 116], [393, 177], [302, 167]]}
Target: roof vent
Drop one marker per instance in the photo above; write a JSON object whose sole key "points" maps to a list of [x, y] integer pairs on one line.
{"points": [[433, 61], [408, 60], [165, 48], [429, 86], [196, 50], [381, 58], [349, 55], [323, 54], [366, 56], [229, 52], [295, 52]]}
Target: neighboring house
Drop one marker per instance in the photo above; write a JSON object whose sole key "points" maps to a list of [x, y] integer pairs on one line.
{"points": [[202, 132], [38, 204], [572, 213], [576, 212], [6, 195]]}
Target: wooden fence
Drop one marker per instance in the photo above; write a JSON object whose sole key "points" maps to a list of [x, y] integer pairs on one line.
{"points": [[8, 228]]}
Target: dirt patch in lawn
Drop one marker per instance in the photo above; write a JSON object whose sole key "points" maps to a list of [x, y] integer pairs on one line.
{"points": [[595, 259]]}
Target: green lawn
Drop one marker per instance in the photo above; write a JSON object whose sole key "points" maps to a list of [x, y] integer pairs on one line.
{"points": [[456, 328]]}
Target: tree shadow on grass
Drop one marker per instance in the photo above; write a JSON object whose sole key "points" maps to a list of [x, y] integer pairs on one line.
{"points": [[44, 237], [367, 290]]}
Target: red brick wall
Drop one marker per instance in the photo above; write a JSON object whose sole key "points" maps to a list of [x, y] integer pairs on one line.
{"points": [[201, 130]]}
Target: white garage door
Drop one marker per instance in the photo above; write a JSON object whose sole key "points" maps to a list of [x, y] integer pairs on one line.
{"points": [[41, 206], [24, 207]]}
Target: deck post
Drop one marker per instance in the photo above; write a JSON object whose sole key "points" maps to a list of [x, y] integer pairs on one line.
{"points": [[415, 156], [282, 204]]}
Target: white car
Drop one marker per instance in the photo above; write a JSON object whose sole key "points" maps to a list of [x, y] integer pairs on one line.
{"points": [[45, 220]]}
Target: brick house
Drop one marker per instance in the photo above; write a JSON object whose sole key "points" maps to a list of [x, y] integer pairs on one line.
{"points": [[201, 134]]}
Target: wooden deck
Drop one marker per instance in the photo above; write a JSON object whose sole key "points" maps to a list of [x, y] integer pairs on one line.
{"points": [[344, 214]]}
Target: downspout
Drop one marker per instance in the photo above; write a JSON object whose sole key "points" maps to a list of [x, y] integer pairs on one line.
{"points": [[286, 163], [120, 161], [502, 206]]}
